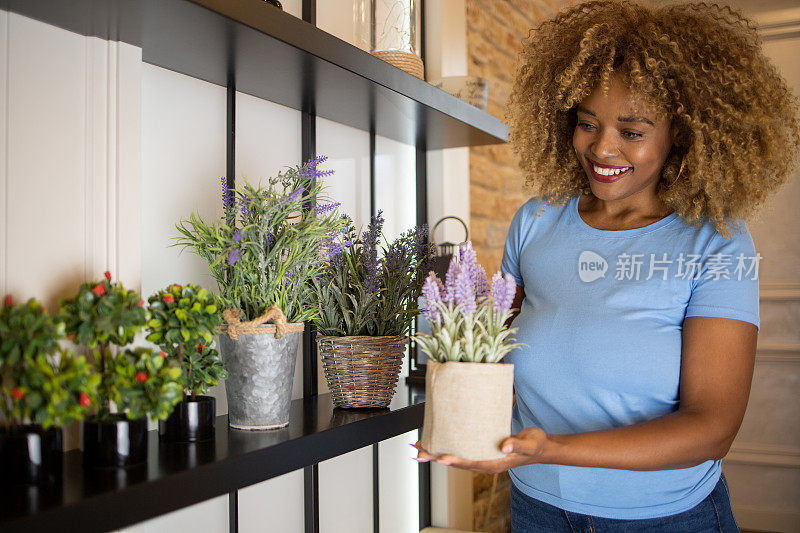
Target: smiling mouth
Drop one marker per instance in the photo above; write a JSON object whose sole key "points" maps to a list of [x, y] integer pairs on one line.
{"points": [[606, 174]]}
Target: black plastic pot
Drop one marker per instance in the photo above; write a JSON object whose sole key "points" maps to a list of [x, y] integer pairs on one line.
{"points": [[30, 455], [114, 442], [191, 421]]}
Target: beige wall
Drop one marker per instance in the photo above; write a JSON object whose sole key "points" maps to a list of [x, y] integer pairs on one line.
{"points": [[763, 466]]}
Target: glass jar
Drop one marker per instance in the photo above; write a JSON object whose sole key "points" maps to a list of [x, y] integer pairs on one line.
{"points": [[390, 29]]}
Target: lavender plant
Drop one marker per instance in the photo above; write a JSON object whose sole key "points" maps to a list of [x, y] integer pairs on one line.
{"points": [[264, 249], [368, 289], [467, 319]]}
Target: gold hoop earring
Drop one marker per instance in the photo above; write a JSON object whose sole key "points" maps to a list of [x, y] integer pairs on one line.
{"points": [[683, 162]]}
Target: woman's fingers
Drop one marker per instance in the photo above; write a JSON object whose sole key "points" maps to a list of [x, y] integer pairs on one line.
{"points": [[422, 455], [528, 441]]}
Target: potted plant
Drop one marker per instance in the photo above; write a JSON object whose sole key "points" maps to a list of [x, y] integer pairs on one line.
{"points": [[134, 383], [263, 251], [42, 388], [368, 301], [468, 391], [183, 320]]}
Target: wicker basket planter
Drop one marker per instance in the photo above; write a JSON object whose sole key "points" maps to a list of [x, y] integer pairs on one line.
{"points": [[362, 371]]}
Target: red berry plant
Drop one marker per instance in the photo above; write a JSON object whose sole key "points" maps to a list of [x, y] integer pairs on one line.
{"points": [[182, 323], [40, 382], [134, 382]]}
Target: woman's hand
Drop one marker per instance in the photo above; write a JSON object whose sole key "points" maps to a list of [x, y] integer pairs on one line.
{"points": [[524, 448]]}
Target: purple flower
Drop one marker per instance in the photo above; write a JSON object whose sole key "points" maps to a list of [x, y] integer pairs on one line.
{"points": [[504, 289], [423, 250], [227, 196], [477, 275], [292, 196], [245, 204], [308, 170], [432, 290], [332, 236], [450, 279], [394, 259], [464, 292], [315, 161], [370, 250], [233, 257], [332, 252], [324, 209], [237, 235], [479, 282]]}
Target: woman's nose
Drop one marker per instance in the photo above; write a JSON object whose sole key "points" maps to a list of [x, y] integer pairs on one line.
{"points": [[604, 145]]}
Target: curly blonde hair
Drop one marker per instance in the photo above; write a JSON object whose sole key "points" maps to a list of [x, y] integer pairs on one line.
{"points": [[701, 65]]}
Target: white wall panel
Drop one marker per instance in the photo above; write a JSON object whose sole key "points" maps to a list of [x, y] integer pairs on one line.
{"points": [[348, 156], [398, 483], [345, 493], [273, 505], [267, 138], [337, 18], [207, 517], [67, 159], [183, 158], [395, 185], [293, 7]]}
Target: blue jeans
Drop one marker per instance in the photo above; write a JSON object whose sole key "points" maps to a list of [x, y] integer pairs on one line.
{"points": [[714, 514]]}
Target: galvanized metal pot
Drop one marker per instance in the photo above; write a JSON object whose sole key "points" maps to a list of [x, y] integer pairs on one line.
{"points": [[260, 376]]}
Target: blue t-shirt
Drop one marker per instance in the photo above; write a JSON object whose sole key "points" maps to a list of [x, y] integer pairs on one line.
{"points": [[602, 320]]}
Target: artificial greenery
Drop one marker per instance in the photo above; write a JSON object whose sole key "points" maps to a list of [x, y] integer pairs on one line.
{"points": [[182, 322], [468, 322], [103, 313], [141, 382], [40, 383], [264, 249], [132, 382], [360, 293]]}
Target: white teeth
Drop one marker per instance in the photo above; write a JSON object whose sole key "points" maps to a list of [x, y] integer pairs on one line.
{"points": [[609, 171]]}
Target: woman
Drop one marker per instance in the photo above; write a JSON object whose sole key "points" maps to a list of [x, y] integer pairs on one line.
{"points": [[647, 136]]}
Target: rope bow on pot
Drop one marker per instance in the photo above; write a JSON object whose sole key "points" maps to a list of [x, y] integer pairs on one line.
{"points": [[235, 327]]}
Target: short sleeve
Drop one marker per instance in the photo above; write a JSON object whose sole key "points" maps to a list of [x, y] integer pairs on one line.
{"points": [[727, 286], [513, 247]]}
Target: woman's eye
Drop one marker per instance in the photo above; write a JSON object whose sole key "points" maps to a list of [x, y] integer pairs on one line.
{"points": [[629, 135]]}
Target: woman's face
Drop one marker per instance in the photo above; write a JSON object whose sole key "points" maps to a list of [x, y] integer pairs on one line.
{"points": [[621, 153]]}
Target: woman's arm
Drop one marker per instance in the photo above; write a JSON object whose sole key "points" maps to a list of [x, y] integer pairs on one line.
{"points": [[716, 371]]}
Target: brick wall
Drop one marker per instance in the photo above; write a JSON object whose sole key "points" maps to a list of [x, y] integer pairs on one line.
{"points": [[495, 29]]}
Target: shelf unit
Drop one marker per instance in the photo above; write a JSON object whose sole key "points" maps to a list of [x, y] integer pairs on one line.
{"points": [[254, 48], [179, 475], [278, 57]]}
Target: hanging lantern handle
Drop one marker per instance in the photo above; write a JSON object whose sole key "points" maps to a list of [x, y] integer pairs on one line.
{"points": [[463, 224]]}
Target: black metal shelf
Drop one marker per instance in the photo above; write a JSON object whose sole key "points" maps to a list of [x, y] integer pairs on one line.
{"points": [[179, 475], [272, 55]]}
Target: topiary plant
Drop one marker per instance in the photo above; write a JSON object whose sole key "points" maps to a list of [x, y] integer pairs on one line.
{"points": [[182, 323], [139, 382], [41, 383]]}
